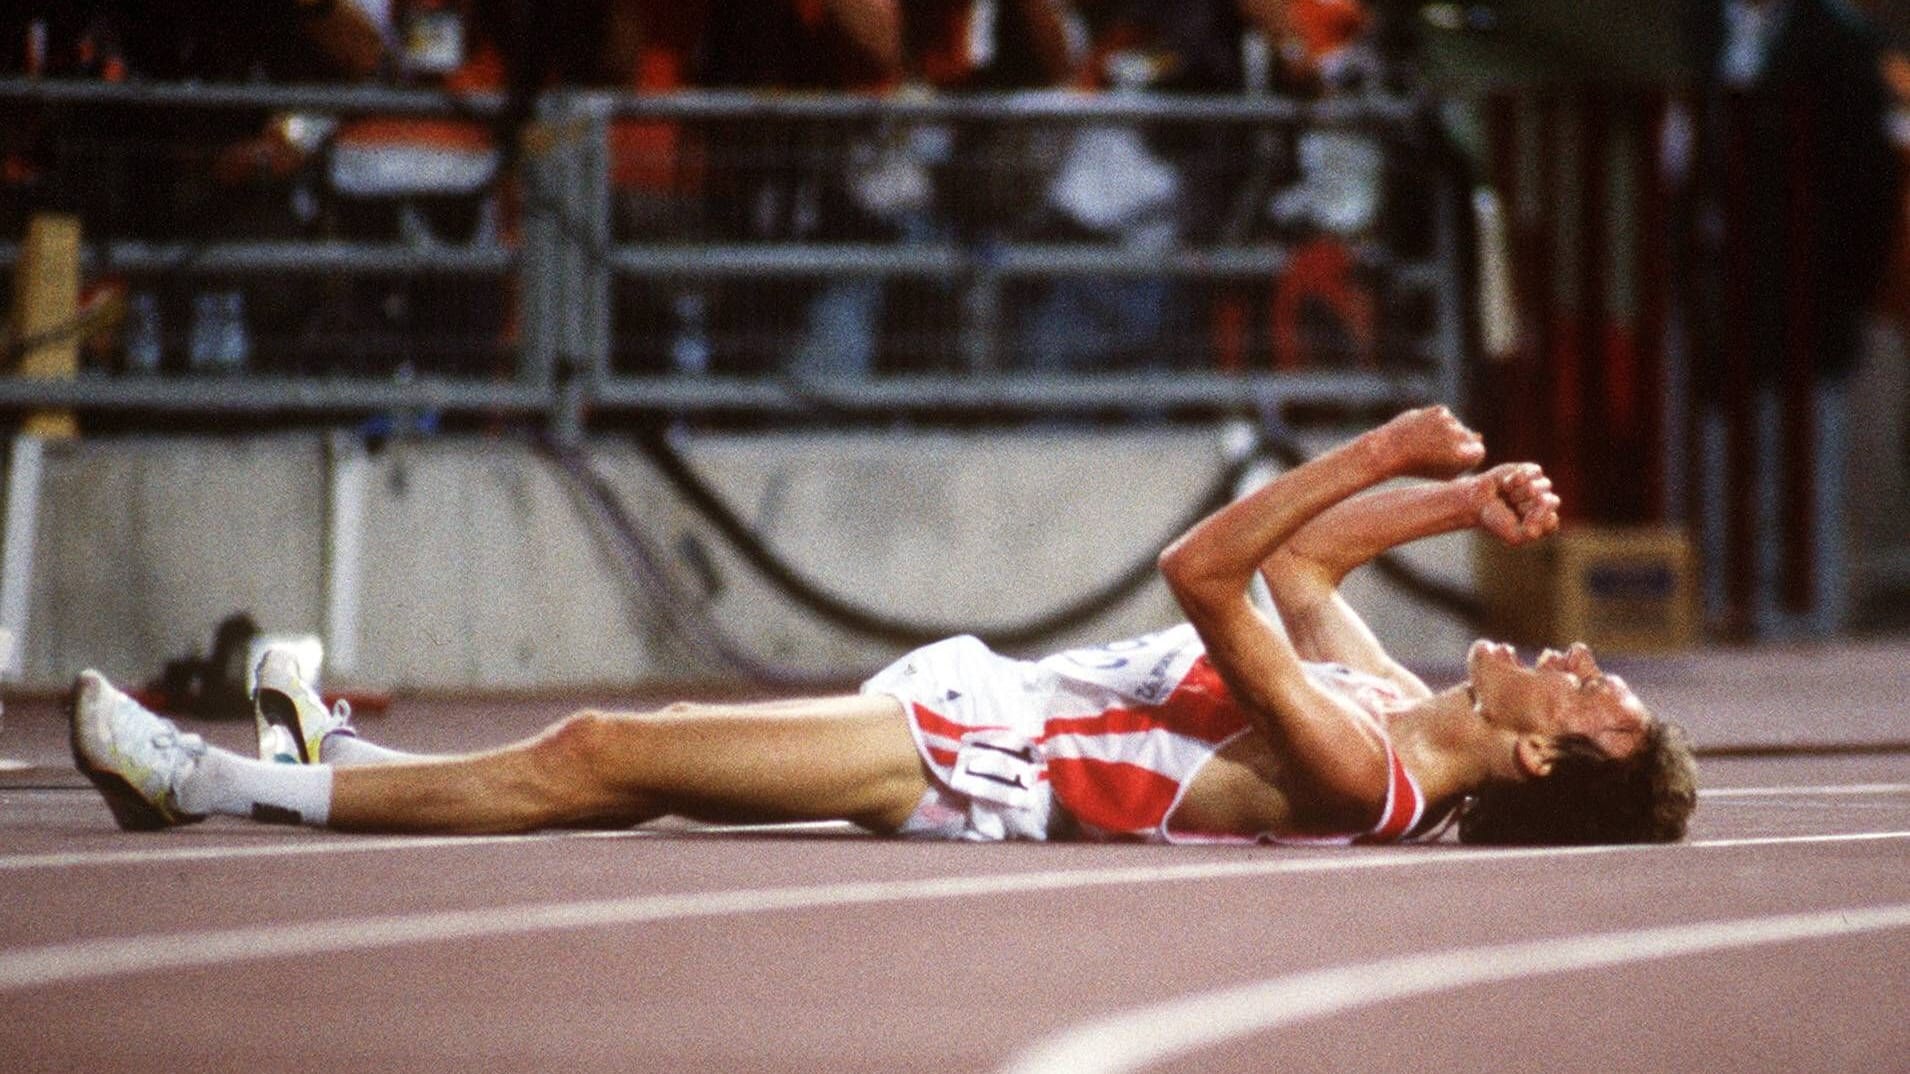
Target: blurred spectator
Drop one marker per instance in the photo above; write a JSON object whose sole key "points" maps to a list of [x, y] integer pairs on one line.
{"points": [[975, 184], [783, 175], [412, 180], [1294, 48], [143, 172], [654, 47], [782, 181], [1108, 183], [969, 183], [1793, 189], [1323, 311], [657, 180], [1338, 186], [1148, 189], [193, 175], [992, 175]]}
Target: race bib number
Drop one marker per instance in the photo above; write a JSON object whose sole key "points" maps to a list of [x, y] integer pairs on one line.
{"points": [[997, 766]]}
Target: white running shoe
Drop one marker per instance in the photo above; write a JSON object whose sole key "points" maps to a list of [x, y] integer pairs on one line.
{"points": [[292, 719], [136, 759]]}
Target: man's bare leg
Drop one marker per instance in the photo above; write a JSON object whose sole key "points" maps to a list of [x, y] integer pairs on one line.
{"points": [[845, 758]]}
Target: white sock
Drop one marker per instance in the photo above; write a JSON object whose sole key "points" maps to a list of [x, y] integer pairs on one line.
{"points": [[344, 751], [230, 785]]}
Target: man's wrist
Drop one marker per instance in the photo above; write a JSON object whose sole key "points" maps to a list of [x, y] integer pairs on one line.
{"points": [[1463, 498], [1376, 456]]}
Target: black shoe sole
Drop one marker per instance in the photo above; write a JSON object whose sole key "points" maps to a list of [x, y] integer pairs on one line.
{"points": [[131, 811], [277, 709]]}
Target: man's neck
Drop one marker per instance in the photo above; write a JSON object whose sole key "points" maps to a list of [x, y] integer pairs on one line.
{"points": [[1448, 748]]}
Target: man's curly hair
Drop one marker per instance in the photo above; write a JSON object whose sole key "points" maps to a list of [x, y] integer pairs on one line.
{"points": [[1591, 798]]}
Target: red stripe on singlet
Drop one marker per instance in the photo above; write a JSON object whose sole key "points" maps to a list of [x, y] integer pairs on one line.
{"points": [[1200, 707], [1121, 798], [1402, 805], [934, 723], [1113, 796]]}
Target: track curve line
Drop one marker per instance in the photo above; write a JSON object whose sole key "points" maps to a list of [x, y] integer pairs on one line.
{"points": [[1143, 1037], [105, 957]]}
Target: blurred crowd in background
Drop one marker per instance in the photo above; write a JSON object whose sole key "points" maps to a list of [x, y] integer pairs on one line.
{"points": [[1682, 233], [206, 176]]}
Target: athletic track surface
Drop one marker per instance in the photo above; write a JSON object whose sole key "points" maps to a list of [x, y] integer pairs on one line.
{"points": [[1776, 939]]}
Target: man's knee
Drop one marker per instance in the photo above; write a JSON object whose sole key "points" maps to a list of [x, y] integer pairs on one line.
{"points": [[575, 759]]}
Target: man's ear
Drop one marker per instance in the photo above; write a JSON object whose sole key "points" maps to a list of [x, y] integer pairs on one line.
{"points": [[1535, 754]]}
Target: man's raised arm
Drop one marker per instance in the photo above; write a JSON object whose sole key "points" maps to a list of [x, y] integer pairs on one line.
{"points": [[1514, 502], [1209, 569]]}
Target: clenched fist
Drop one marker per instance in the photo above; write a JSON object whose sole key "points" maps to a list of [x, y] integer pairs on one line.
{"points": [[1429, 442], [1514, 502]]}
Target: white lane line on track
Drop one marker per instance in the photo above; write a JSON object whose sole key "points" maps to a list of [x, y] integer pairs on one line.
{"points": [[84, 960], [359, 844], [1833, 789], [176, 855], [1146, 1036]]}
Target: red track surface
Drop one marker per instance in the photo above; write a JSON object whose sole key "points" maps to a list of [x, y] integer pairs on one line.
{"points": [[230, 946]]}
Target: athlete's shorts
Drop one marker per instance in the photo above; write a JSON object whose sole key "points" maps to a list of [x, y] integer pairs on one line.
{"points": [[977, 718]]}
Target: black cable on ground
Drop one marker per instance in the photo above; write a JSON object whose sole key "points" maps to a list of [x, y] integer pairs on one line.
{"points": [[908, 632], [688, 619], [897, 630]]}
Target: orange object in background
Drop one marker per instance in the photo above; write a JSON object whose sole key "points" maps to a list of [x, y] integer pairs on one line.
{"points": [[1321, 271], [386, 156], [1324, 26], [648, 154]]}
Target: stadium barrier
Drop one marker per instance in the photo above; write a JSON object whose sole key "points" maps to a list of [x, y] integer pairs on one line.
{"points": [[976, 277], [784, 256]]}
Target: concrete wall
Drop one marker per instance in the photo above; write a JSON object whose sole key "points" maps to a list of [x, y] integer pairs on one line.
{"points": [[143, 547], [481, 570]]}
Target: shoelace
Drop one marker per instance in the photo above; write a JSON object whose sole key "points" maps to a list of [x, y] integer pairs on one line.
{"points": [[341, 711], [123, 724], [169, 739]]}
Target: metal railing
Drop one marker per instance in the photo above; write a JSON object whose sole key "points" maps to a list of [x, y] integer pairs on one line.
{"points": [[597, 313]]}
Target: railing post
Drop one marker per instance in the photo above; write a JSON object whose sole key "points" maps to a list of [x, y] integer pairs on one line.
{"points": [[540, 264], [596, 275], [566, 256], [1449, 332], [348, 476], [980, 341], [25, 465]]}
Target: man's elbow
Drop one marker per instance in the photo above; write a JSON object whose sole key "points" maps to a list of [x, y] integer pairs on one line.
{"points": [[1175, 565], [1188, 576], [1297, 579]]}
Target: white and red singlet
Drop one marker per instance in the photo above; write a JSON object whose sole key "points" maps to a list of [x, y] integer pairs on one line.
{"points": [[1113, 734]]}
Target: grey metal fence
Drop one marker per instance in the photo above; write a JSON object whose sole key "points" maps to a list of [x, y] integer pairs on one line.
{"points": [[724, 253]]}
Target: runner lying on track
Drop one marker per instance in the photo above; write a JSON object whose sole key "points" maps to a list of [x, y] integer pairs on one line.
{"points": [[1234, 726]]}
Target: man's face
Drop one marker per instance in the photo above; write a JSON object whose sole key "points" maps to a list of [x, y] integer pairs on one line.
{"points": [[1560, 693]]}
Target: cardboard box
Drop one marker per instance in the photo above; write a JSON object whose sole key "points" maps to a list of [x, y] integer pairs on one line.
{"points": [[1618, 589]]}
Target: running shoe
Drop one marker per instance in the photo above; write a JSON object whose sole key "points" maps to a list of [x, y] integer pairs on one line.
{"points": [[292, 719], [136, 759]]}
